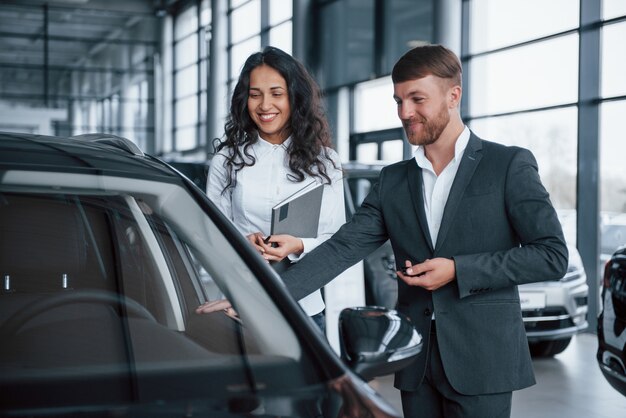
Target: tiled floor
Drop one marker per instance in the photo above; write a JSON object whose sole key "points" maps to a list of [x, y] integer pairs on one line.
{"points": [[568, 385]]}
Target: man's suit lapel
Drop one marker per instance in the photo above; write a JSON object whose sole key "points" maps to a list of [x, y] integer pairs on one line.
{"points": [[417, 196], [471, 159]]}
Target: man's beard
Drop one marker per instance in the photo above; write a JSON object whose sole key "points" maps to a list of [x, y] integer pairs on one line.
{"points": [[431, 129]]}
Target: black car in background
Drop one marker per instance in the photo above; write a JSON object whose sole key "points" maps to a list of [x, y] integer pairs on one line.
{"points": [[379, 268], [105, 254], [611, 355]]}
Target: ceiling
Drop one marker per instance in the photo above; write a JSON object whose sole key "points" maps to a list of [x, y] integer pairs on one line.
{"points": [[41, 41]]}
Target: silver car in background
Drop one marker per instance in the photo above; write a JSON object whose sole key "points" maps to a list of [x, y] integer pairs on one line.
{"points": [[555, 311]]}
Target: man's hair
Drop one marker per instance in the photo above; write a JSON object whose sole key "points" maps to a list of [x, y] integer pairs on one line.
{"points": [[426, 60]]}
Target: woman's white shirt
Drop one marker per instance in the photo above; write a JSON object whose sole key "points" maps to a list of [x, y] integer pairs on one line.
{"points": [[258, 188]]}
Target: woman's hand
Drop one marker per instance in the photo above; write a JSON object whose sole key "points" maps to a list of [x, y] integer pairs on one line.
{"points": [[256, 240], [216, 306], [277, 247]]}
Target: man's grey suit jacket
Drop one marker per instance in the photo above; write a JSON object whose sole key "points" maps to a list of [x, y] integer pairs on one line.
{"points": [[501, 230]]}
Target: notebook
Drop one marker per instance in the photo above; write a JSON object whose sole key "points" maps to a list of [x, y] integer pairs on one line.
{"points": [[299, 214]]}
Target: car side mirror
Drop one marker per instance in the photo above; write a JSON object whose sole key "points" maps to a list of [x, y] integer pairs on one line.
{"points": [[376, 341]]}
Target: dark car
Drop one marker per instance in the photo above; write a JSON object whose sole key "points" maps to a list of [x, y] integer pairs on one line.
{"points": [[379, 268], [553, 311], [612, 233], [105, 254], [611, 354]]}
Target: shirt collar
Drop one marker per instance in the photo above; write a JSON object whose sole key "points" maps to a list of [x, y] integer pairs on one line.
{"points": [[262, 144]]}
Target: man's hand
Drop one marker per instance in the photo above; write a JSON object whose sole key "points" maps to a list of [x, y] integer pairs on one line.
{"points": [[431, 274]]}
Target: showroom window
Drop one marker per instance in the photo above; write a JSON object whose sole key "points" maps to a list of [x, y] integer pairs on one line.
{"points": [[612, 111], [192, 26], [61, 65], [538, 75], [523, 84], [377, 132], [496, 24], [360, 41], [547, 133], [556, 87], [255, 24]]}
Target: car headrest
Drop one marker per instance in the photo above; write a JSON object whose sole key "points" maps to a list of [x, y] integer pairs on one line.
{"points": [[41, 239]]}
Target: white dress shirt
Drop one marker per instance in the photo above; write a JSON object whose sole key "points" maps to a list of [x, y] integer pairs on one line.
{"points": [[261, 186], [437, 188]]}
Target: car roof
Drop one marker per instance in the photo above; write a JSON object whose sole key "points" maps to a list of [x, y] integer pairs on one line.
{"points": [[93, 154]]}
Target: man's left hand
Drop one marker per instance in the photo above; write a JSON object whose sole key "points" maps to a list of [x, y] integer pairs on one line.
{"points": [[431, 274]]}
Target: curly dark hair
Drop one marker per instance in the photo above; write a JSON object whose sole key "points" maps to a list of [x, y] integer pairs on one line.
{"points": [[310, 134]]}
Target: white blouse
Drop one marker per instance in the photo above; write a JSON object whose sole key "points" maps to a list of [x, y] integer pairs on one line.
{"points": [[261, 186]]}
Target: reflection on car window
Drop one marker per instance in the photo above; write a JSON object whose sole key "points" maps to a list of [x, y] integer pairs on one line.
{"points": [[105, 282]]}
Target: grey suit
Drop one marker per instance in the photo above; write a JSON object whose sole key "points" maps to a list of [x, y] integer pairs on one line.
{"points": [[501, 230]]}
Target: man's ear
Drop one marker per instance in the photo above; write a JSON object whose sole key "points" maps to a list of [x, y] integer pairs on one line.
{"points": [[454, 96]]}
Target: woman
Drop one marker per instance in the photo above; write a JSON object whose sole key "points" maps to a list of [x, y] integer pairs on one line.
{"points": [[276, 141]]}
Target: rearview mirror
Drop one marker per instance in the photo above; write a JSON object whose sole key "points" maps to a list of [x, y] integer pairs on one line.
{"points": [[376, 341]]}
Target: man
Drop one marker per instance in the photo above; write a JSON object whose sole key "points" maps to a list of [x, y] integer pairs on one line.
{"points": [[469, 220]]}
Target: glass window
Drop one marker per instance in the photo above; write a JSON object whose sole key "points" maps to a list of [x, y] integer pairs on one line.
{"points": [[77, 127], [93, 116], [281, 37], [551, 136], [239, 54], [347, 42], [100, 114], [186, 51], [236, 3], [374, 107], [280, 10], [392, 150], [204, 71], [187, 111], [613, 60], [187, 81], [186, 23], [613, 8], [106, 117], [367, 153], [245, 21], [406, 21], [536, 75], [205, 38], [497, 23], [186, 138], [612, 152], [203, 106], [124, 290], [359, 189], [115, 111], [205, 13]]}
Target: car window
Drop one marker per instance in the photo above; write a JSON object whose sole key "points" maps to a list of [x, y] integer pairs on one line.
{"points": [[66, 260]]}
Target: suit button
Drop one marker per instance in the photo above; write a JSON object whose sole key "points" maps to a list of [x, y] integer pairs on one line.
{"points": [[427, 312]]}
